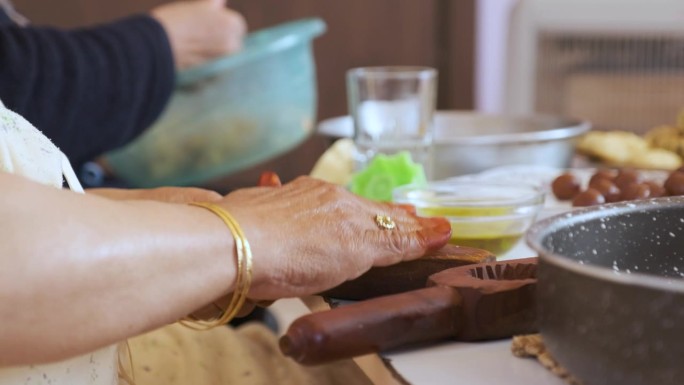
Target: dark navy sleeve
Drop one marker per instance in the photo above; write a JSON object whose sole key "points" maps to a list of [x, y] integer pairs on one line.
{"points": [[90, 90]]}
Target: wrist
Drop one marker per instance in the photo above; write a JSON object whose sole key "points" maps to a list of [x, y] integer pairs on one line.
{"points": [[243, 262]]}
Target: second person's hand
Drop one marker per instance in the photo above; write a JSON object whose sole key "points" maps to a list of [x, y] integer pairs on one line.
{"points": [[200, 30]]}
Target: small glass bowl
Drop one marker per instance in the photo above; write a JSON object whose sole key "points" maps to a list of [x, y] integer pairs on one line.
{"points": [[486, 215]]}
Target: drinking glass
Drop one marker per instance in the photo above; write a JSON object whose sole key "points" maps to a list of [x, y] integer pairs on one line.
{"points": [[392, 109]]}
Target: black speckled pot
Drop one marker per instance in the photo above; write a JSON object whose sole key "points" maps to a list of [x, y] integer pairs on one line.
{"points": [[611, 291]]}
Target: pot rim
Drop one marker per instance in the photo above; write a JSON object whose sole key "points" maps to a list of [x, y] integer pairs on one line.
{"points": [[541, 229], [563, 128]]}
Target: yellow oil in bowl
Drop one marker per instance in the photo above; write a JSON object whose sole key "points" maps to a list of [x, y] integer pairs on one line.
{"points": [[484, 215], [497, 245]]}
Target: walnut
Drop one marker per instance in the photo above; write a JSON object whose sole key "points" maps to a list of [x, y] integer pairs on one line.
{"points": [[532, 345]]}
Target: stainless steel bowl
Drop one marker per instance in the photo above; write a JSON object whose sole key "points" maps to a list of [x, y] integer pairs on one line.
{"points": [[469, 142], [611, 291]]}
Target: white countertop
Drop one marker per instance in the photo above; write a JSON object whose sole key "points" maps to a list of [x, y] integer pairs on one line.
{"points": [[480, 363], [475, 363]]}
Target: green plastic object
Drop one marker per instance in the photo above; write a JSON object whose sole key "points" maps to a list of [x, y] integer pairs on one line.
{"points": [[384, 173], [231, 113]]}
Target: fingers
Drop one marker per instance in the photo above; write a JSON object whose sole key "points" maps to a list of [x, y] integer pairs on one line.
{"points": [[215, 309], [250, 305], [199, 31], [246, 308], [230, 33], [208, 312], [413, 236], [407, 243], [269, 179], [224, 302], [435, 233], [264, 303], [408, 207], [309, 235]]}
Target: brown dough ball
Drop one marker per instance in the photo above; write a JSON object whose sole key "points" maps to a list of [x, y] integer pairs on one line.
{"points": [[566, 186], [636, 191], [608, 189], [675, 183], [602, 174], [626, 177], [657, 190], [589, 197]]}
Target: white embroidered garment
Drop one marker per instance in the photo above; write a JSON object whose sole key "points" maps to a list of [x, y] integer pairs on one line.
{"points": [[26, 151]]}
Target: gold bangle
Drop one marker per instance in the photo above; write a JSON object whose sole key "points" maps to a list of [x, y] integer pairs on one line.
{"points": [[243, 275]]}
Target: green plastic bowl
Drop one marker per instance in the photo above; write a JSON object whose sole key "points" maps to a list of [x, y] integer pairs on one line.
{"points": [[231, 113]]}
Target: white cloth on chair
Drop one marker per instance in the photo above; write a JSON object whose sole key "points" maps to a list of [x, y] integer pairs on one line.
{"points": [[25, 151]]}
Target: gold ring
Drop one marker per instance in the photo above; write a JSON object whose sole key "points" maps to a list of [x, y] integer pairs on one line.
{"points": [[385, 222]]}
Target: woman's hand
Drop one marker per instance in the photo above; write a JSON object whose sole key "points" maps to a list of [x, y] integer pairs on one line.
{"points": [[200, 30], [308, 236], [157, 262]]}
